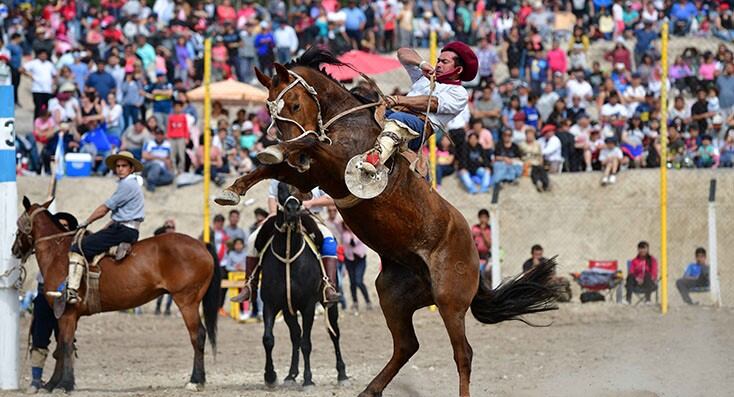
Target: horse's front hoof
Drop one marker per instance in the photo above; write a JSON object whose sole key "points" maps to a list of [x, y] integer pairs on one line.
{"points": [[289, 382], [227, 197], [196, 387], [344, 382]]}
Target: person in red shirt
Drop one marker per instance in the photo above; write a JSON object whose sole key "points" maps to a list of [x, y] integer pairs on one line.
{"points": [[178, 135], [643, 272], [482, 235]]}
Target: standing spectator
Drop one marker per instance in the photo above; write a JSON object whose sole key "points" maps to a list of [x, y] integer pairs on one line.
{"points": [[536, 258], [179, 136], [551, 144], [579, 87], [161, 94], [286, 42], [132, 99], [700, 109], [488, 61], [645, 38], [247, 53], [507, 164], [16, 59], [355, 23], [355, 259], [682, 14], [488, 109], [533, 157], [405, 24], [620, 54], [610, 157], [474, 165], [482, 234], [725, 86], [265, 45], [100, 80], [643, 273], [389, 25], [557, 60], [695, 276], [41, 72], [157, 162], [233, 229]]}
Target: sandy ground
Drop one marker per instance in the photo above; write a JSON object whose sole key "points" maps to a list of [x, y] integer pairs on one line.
{"points": [[589, 350]]}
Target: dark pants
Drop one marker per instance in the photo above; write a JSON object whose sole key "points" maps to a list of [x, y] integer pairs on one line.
{"points": [[356, 270], [538, 173], [44, 322], [130, 114], [159, 301], [223, 295], [15, 79], [97, 243], [647, 287], [685, 285], [40, 99]]}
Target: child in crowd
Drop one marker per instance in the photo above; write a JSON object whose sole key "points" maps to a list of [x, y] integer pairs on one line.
{"points": [[610, 157]]}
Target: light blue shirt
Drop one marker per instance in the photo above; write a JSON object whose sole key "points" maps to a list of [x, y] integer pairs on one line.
{"points": [[127, 203], [355, 17]]}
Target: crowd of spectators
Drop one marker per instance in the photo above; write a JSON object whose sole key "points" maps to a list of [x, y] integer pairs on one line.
{"points": [[115, 75]]}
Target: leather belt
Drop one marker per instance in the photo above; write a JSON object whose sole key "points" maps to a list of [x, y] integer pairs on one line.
{"points": [[131, 224]]}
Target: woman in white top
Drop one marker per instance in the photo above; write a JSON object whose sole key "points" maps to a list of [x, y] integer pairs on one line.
{"points": [[112, 112]]}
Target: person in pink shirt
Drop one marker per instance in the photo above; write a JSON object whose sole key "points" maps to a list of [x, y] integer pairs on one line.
{"points": [[643, 273], [355, 259], [557, 60], [707, 70], [44, 126], [225, 12], [482, 237]]}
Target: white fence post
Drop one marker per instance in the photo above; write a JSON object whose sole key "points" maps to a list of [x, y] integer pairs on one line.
{"points": [[713, 245], [9, 308], [494, 222]]}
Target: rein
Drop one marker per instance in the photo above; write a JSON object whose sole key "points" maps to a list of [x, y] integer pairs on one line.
{"points": [[277, 105]]}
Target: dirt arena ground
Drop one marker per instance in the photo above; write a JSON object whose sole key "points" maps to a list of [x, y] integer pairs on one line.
{"points": [[589, 350]]}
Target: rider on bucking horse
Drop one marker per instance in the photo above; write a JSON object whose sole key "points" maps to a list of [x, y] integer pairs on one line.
{"points": [[405, 120], [316, 205], [127, 206]]}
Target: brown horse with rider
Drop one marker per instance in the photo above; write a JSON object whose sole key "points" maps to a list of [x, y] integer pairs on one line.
{"points": [[428, 256]]}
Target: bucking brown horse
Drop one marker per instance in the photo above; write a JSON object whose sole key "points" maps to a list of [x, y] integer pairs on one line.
{"points": [[425, 244], [170, 263]]}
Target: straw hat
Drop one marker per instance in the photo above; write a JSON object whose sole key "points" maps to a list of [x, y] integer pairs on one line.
{"points": [[124, 155]]}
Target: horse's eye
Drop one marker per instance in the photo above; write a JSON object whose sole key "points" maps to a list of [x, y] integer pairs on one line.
{"points": [[296, 107]]}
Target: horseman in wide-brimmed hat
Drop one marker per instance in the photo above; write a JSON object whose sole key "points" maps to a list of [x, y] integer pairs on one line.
{"points": [[127, 206]]}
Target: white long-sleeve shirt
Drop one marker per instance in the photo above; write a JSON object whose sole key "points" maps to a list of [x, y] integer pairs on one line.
{"points": [[285, 37], [551, 148], [452, 99]]}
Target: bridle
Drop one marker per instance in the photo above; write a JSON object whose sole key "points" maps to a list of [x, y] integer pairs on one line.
{"points": [[25, 228], [277, 105]]}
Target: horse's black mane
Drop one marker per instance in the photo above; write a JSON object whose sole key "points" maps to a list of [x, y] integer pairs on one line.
{"points": [[315, 56]]}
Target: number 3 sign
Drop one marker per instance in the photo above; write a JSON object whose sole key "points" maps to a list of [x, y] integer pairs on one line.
{"points": [[7, 133]]}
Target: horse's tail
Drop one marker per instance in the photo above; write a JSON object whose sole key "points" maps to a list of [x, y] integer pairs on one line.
{"points": [[211, 301], [530, 292]]}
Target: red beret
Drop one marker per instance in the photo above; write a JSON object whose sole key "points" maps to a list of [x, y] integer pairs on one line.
{"points": [[519, 116], [468, 58], [548, 128]]}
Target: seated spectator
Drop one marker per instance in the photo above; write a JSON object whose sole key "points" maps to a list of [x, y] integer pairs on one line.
{"points": [[474, 163], [518, 127], [217, 162], [488, 109], [44, 126], [547, 101], [643, 273], [533, 158], [536, 258], [551, 145], [134, 138], [444, 159], [632, 139], [157, 161], [707, 155], [234, 259], [581, 132], [695, 276], [485, 136], [610, 157], [507, 160], [575, 110], [682, 76], [727, 150], [355, 260], [482, 234]]}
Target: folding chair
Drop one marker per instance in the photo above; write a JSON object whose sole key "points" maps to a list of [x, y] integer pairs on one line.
{"points": [[608, 281], [638, 292]]}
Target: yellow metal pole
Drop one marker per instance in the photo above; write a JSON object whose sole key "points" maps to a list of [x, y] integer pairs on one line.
{"points": [[664, 173], [432, 140], [207, 133]]}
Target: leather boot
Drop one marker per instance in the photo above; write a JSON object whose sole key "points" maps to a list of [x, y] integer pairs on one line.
{"points": [[74, 278], [330, 294], [252, 270], [272, 154], [393, 135]]}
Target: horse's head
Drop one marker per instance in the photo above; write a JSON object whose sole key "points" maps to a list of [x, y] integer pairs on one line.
{"points": [[290, 200], [23, 244]]}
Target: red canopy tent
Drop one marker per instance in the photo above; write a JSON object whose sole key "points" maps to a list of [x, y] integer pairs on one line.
{"points": [[364, 62]]}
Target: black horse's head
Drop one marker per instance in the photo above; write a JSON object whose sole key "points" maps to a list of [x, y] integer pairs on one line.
{"points": [[290, 201]]}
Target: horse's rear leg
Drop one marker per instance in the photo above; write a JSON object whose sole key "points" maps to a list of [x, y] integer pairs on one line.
{"points": [[453, 319], [295, 331], [271, 377], [341, 369], [197, 334], [307, 316], [401, 293]]}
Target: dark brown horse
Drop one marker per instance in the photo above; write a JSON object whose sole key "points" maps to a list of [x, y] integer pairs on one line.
{"points": [[170, 263], [428, 256]]}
